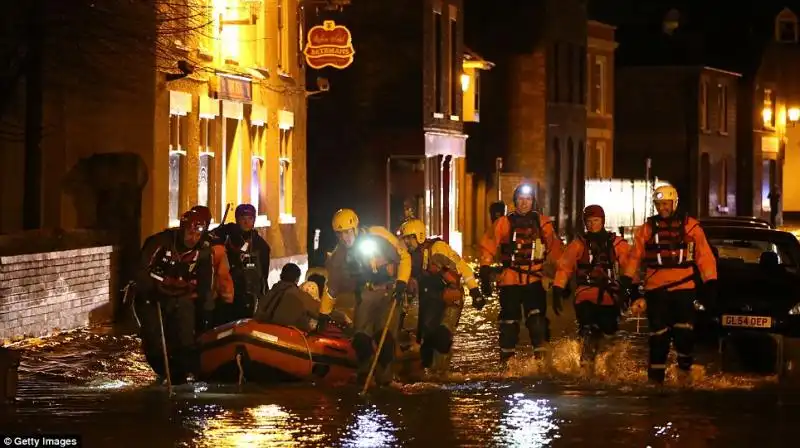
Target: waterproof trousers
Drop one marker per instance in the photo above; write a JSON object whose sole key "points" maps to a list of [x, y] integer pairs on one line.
{"points": [[179, 322], [369, 321], [670, 315], [526, 304], [436, 328], [595, 324]]}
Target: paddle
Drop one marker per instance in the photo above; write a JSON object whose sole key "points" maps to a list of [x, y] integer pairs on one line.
{"points": [[380, 347], [164, 350]]}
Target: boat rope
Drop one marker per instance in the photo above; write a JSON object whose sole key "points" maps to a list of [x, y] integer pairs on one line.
{"points": [[241, 370], [308, 350]]}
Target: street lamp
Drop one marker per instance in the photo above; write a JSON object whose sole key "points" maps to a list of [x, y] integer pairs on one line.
{"points": [[794, 115]]}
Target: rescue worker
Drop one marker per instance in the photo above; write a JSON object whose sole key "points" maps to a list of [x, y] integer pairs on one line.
{"points": [[222, 281], [596, 257], [175, 274], [374, 264], [496, 210], [672, 247], [249, 257], [439, 272], [525, 240], [286, 304]]}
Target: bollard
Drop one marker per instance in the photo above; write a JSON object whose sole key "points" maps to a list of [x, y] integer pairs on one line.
{"points": [[9, 366]]}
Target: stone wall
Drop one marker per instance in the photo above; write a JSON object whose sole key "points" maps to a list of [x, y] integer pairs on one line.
{"points": [[48, 291]]}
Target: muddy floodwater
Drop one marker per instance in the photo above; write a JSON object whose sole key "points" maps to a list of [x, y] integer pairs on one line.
{"points": [[96, 384]]}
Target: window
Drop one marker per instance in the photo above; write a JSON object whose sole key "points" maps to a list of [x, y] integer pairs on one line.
{"points": [[438, 54], [786, 26], [704, 105], [301, 20], [285, 176], [455, 64], [722, 195], [555, 95], [177, 151], [722, 102], [205, 175], [768, 112], [598, 85], [282, 65], [581, 75], [257, 176], [570, 72], [476, 81]]}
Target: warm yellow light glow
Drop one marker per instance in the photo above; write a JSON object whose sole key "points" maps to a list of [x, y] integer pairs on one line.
{"points": [[794, 114], [767, 115], [465, 82]]}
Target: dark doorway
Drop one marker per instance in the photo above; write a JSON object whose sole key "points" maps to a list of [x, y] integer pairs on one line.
{"points": [[570, 193]]}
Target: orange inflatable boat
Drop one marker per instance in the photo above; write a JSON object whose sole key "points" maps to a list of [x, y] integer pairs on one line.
{"points": [[264, 353]]}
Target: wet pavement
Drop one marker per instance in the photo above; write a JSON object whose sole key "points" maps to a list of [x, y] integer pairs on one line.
{"points": [[95, 383]]}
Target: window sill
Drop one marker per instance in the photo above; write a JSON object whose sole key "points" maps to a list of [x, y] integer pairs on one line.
{"points": [[455, 118], [263, 221], [723, 133], [287, 219], [438, 115], [705, 131], [174, 223]]}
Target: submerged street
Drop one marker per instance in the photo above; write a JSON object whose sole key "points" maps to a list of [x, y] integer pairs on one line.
{"points": [[96, 384]]}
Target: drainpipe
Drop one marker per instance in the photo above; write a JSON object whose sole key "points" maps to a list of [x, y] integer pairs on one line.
{"points": [[498, 168]]}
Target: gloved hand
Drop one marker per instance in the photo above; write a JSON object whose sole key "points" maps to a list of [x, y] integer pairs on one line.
{"points": [[558, 295], [485, 275], [399, 293], [478, 300], [709, 300]]}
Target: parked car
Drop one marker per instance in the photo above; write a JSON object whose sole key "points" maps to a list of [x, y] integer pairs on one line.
{"points": [[734, 221], [759, 292]]}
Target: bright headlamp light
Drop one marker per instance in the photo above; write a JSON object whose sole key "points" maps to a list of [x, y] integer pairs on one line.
{"points": [[368, 247]]}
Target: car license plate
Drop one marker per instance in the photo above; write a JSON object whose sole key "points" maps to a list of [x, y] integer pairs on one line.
{"points": [[746, 321]]}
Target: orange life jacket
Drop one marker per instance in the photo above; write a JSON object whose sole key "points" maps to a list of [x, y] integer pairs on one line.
{"points": [[524, 242], [434, 278], [668, 247], [598, 263]]}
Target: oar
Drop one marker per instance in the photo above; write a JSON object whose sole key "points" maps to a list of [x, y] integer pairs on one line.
{"points": [[380, 347]]}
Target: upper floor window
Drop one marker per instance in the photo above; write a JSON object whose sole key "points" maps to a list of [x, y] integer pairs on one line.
{"points": [[438, 56], [672, 21], [598, 90], [768, 112], [786, 26], [722, 104], [455, 62], [704, 105], [283, 41]]}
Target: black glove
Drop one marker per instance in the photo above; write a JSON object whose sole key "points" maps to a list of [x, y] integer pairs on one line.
{"points": [[625, 284], [558, 295], [478, 300], [322, 321], [208, 320], [709, 300], [485, 275], [399, 293]]}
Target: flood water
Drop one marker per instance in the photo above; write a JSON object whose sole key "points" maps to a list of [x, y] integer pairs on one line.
{"points": [[95, 383]]}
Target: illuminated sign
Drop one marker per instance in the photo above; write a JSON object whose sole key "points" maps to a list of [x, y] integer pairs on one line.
{"points": [[329, 45]]}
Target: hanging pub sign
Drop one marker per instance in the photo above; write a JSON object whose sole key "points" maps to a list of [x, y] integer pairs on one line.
{"points": [[329, 45]]}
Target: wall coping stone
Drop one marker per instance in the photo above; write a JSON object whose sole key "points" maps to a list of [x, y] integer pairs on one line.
{"points": [[57, 255]]}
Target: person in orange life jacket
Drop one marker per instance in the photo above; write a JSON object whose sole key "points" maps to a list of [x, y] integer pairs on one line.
{"points": [[175, 273], [249, 258], [286, 304], [439, 272], [674, 250], [496, 210], [375, 265], [223, 283], [524, 239], [596, 258]]}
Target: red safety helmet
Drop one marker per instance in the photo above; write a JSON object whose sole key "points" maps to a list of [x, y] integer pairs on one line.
{"points": [[204, 212], [594, 211], [194, 220]]}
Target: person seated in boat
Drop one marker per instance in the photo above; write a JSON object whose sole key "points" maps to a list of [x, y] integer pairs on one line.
{"points": [[327, 313], [174, 275], [222, 291], [248, 256], [439, 272], [286, 304], [374, 265]]}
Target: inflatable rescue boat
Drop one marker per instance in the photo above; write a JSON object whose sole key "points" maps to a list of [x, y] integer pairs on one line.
{"points": [[262, 353]]}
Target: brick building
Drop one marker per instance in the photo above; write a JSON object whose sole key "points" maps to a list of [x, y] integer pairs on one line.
{"points": [[403, 97], [534, 101], [152, 107], [683, 118], [600, 76]]}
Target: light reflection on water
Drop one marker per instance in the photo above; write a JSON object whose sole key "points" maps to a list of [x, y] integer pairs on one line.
{"points": [[527, 422], [370, 428]]}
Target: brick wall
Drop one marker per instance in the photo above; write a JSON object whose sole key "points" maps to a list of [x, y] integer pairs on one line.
{"points": [[53, 290]]}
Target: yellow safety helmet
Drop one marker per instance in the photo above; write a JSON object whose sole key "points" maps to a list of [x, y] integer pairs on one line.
{"points": [[344, 219], [413, 227], [666, 193]]}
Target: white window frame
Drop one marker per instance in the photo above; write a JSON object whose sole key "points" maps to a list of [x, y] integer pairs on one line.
{"points": [[601, 62], [285, 182]]}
